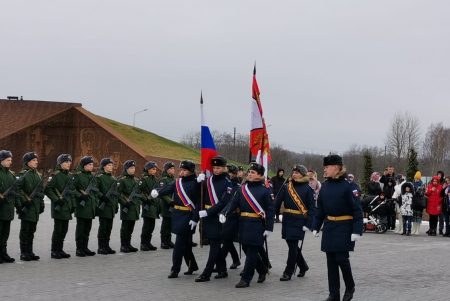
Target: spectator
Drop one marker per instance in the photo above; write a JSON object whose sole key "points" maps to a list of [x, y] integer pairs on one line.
{"points": [[355, 187], [446, 206], [389, 172], [434, 205], [388, 190], [418, 203], [441, 176], [406, 207], [277, 182], [400, 180], [314, 183], [374, 187]]}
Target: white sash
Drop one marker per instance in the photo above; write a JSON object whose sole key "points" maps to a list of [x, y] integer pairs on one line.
{"points": [[213, 192], [185, 194], [254, 201]]}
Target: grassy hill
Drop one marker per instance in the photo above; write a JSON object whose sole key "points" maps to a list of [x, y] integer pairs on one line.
{"points": [[152, 144]]}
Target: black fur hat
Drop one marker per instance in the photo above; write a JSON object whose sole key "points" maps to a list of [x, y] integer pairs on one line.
{"points": [[86, 160], [150, 165], [188, 165], [232, 168], [219, 161], [129, 163], [106, 161], [301, 169], [29, 156], [257, 167], [332, 160], [168, 165], [63, 158], [5, 154]]}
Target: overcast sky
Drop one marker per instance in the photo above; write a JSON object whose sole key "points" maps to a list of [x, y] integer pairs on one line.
{"points": [[331, 73]]}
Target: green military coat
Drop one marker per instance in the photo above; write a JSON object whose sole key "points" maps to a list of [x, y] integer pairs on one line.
{"points": [[129, 207], [85, 204], [150, 206], [7, 179], [60, 190], [108, 204], [29, 209], [166, 179]]}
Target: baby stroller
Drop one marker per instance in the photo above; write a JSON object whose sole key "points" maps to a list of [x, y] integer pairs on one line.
{"points": [[375, 217]]}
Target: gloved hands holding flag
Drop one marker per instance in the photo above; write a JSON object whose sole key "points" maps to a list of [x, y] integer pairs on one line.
{"points": [[201, 177], [203, 213], [222, 218]]}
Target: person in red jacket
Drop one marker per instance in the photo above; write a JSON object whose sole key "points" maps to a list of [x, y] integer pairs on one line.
{"points": [[434, 206]]}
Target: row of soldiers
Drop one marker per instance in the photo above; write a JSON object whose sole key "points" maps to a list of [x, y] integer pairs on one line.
{"points": [[228, 209]]}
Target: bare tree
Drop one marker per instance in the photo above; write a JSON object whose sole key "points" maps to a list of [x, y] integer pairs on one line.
{"points": [[436, 146], [403, 134]]}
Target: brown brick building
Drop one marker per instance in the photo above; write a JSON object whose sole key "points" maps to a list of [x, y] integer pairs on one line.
{"points": [[52, 128]]}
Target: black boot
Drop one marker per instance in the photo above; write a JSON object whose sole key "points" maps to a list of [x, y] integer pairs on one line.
{"points": [[33, 256], [242, 284], [286, 277], [55, 251], [192, 268], [165, 245], [221, 275], [332, 298], [404, 231], [5, 256], [86, 249], [145, 247], [24, 255], [303, 271], [102, 247], [61, 251], [173, 275], [235, 265], [132, 249], [124, 248], [348, 295], [108, 248], [261, 278], [80, 249], [202, 278]]}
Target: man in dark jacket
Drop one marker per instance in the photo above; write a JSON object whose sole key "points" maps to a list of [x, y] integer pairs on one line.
{"points": [[277, 182], [167, 178], [256, 205], [7, 202], [150, 206], [339, 211], [60, 191]]}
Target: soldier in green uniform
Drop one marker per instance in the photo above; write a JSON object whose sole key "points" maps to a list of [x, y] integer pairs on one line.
{"points": [[30, 205], [167, 178], [108, 206], [7, 202], [86, 193], [150, 206], [130, 204], [60, 191]]}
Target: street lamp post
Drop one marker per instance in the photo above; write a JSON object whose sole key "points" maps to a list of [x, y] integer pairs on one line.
{"points": [[134, 116]]}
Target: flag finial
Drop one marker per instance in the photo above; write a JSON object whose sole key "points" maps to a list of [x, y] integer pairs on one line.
{"points": [[254, 69], [201, 96]]}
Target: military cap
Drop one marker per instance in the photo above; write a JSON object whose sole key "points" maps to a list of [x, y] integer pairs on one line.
{"points": [[86, 160], [332, 160], [168, 165], [150, 165], [257, 167], [106, 161], [188, 165], [232, 168], [5, 154], [63, 158], [29, 156], [301, 169], [129, 163], [219, 161]]}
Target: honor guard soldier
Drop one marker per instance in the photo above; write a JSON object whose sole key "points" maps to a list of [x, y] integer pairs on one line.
{"points": [[256, 206], [298, 199], [108, 206], [60, 190], [7, 202], [339, 210], [167, 178], [217, 187], [185, 192], [31, 204], [86, 193], [130, 204], [230, 228], [150, 206]]}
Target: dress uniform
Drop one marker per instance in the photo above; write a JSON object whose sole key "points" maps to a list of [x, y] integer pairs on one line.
{"points": [[60, 191], [298, 199], [130, 205], [256, 205], [150, 206], [108, 205], [216, 189], [167, 178], [339, 210], [86, 202], [230, 228], [7, 202], [185, 192]]}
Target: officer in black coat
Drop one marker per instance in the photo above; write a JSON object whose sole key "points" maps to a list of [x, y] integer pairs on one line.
{"points": [[230, 228], [298, 199], [256, 205], [215, 189], [185, 193], [339, 210]]}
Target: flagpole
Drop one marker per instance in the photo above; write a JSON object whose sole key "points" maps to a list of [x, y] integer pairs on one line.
{"points": [[201, 184]]}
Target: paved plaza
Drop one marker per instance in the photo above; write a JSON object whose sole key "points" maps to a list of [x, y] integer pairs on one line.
{"points": [[386, 267]]}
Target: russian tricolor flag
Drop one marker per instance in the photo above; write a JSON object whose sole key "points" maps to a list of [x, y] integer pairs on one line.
{"points": [[208, 149]]}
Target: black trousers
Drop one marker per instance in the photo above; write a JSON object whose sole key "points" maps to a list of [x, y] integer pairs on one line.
{"points": [[433, 222], [27, 230], [104, 229], [82, 231], [295, 256], [5, 227], [336, 260], [60, 229], [126, 230], [441, 222], [166, 229], [147, 229], [228, 247], [183, 248], [215, 258], [253, 261]]}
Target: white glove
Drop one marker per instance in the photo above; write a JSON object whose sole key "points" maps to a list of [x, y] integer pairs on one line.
{"points": [[154, 193], [355, 237], [267, 233], [201, 177], [222, 218], [315, 234], [203, 213], [192, 224], [306, 229]]}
